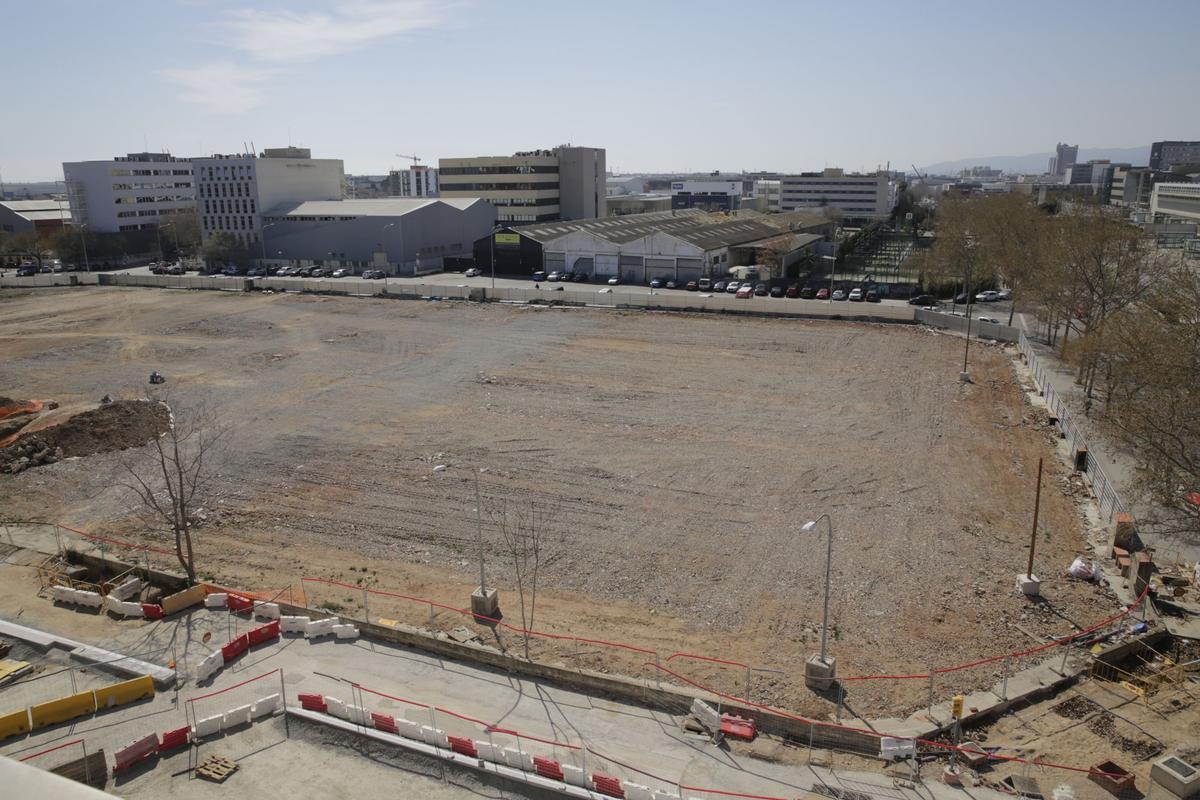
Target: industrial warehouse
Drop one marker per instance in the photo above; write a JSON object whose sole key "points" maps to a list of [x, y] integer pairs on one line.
{"points": [[672, 245]]}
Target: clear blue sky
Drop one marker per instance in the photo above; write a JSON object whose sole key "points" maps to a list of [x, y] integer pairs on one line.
{"points": [[662, 85]]}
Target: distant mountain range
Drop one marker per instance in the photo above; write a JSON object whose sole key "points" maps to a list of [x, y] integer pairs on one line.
{"points": [[1035, 163]]}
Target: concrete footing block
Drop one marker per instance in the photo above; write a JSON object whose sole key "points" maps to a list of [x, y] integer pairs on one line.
{"points": [[1029, 585], [820, 674], [485, 603]]}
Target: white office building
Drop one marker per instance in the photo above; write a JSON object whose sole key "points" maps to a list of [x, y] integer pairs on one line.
{"points": [[707, 195], [857, 196], [418, 180], [771, 193], [129, 193], [233, 191], [1180, 201]]}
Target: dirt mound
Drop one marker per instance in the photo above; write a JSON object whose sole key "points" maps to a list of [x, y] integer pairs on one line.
{"points": [[114, 426]]}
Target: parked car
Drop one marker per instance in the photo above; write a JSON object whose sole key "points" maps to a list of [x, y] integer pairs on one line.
{"points": [[987, 297], [656, 283], [792, 291], [580, 277], [340, 273], [1004, 294], [672, 284], [963, 299], [838, 294], [539, 276], [822, 294], [856, 295], [777, 291], [26, 271], [808, 293], [922, 300], [375, 274], [746, 290], [553, 276], [733, 286], [989, 319], [473, 272], [761, 289], [255, 272], [719, 286], [613, 281], [872, 296], [704, 284], [176, 269], [692, 286], [158, 269], [231, 271], [318, 272]]}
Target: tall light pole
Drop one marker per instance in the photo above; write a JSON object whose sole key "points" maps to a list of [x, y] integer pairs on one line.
{"points": [[495, 229], [821, 671], [832, 264], [262, 240], [383, 245]]}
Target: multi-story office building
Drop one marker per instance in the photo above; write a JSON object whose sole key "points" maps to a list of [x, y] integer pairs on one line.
{"points": [[709, 195], [1098, 173], [1164, 155], [1177, 201], [234, 191], [535, 186], [419, 180], [771, 192], [857, 196], [1063, 158], [1132, 186], [129, 193]]}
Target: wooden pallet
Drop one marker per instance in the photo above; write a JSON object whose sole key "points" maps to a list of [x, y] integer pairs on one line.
{"points": [[216, 768]]}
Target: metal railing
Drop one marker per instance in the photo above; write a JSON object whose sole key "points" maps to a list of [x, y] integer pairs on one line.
{"points": [[1103, 489]]}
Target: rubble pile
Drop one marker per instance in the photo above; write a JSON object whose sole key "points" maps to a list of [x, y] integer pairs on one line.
{"points": [[113, 426]]}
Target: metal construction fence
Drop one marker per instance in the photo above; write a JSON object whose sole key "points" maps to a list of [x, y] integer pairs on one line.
{"points": [[1107, 498]]}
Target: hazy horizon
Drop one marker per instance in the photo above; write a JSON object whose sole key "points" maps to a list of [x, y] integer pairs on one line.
{"points": [[664, 87]]}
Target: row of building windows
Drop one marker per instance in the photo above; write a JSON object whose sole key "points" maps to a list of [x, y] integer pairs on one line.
{"points": [[242, 206], [521, 169], [228, 172], [151, 212], [124, 173], [127, 186], [822, 192], [524, 201], [156, 198], [497, 187], [225, 190], [228, 223]]}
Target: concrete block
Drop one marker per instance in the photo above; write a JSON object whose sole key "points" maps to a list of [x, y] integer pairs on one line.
{"points": [[485, 603], [293, 624], [320, 627], [337, 708], [818, 674], [266, 705], [345, 631], [208, 726], [237, 716], [267, 610], [215, 600], [576, 776], [1177, 776], [707, 715], [1030, 586]]}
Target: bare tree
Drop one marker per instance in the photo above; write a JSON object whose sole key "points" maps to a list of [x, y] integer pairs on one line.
{"points": [[174, 480], [523, 531]]}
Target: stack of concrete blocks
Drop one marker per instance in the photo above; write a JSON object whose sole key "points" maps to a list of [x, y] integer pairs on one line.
{"points": [[293, 624], [126, 590], [320, 627]]}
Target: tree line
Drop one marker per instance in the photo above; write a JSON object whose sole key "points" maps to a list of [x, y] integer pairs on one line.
{"points": [[1119, 309]]}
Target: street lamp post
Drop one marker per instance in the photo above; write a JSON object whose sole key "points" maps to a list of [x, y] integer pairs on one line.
{"points": [[383, 245], [832, 265], [820, 671]]}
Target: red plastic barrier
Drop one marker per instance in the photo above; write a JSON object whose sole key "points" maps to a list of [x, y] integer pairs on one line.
{"points": [[235, 602], [607, 784], [383, 722], [128, 756], [313, 702], [174, 739], [264, 633], [547, 768], [152, 611], [463, 745], [737, 727], [235, 648]]}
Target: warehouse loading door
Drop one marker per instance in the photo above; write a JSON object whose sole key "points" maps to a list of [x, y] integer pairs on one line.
{"points": [[632, 269], [583, 264], [688, 269], [663, 268], [606, 266], [554, 262]]}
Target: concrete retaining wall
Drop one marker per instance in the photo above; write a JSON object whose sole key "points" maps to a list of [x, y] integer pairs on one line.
{"points": [[981, 330]]}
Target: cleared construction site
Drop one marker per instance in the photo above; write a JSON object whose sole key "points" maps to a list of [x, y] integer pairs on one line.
{"points": [[377, 450]]}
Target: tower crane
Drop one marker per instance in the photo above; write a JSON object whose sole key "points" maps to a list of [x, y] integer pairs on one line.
{"points": [[415, 160]]}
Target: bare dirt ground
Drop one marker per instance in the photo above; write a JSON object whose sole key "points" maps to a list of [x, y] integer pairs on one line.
{"points": [[677, 458]]}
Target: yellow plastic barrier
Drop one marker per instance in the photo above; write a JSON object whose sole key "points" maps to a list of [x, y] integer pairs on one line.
{"points": [[181, 600], [62, 709], [124, 692], [14, 723]]}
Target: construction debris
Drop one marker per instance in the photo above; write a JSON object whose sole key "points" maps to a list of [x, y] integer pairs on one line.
{"points": [[216, 768]]}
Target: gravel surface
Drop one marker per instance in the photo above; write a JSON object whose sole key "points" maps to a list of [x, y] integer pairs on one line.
{"points": [[675, 458]]}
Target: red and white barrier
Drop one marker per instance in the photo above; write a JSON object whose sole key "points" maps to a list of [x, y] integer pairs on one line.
{"points": [[293, 624], [266, 610], [490, 752], [547, 768], [236, 603], [172, 740], [236, 717], [90, 599], [215, 600], [574, 775], [408, 729], [337, 708], [210, 666], [345, 631], [314, 702], [127, 589], [152, 611], [235, 647], [122, 608], [384, 722], [358, 715], [264, 706], [209, 726], [635, 791], [518, 759], [607, 785], [263, 633], [134, 752], [435, 737]]}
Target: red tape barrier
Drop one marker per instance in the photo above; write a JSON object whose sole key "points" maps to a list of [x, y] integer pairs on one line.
{"points": [[50, 749]]}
